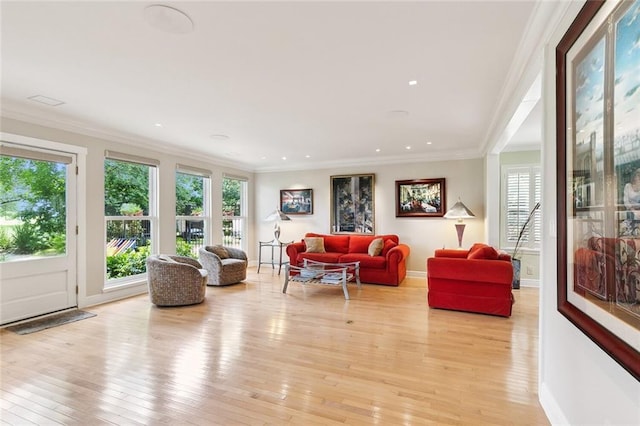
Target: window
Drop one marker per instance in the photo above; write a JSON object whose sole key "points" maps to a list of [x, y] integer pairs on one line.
{"points": [[521, 189], [234, 211], [192, 210], [33, 191], [130, 215]]}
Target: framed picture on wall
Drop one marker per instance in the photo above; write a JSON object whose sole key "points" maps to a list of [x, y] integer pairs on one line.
{"points": [[420, 198], [352, 204], [296, 201], [598, 134]]}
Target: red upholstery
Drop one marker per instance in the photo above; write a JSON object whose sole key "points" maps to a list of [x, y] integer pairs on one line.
{"points": [[389, 268], [599, 256], [460, 283], [486, 252]]}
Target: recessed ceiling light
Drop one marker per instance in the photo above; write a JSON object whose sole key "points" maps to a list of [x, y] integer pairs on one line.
{"points": [[168, 19], [413, 83], [429, 143], [158, 124], [307, 156], [46, 100], [407, 147], [263, 158], [284, 158], [219, 137], [377, 149]]}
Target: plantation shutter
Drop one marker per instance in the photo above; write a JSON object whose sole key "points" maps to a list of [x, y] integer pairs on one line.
{"points": [[517, 203], [522, 190]]}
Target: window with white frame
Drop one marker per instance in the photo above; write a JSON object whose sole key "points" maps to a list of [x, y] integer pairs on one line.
{"points": [[521, 190], [193, 219], [130, 212], [234, 211]]}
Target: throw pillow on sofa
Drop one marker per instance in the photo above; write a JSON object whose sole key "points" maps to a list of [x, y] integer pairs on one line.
{"points": [[482, 252], [314, 245], [375, 247], [388, 245]]}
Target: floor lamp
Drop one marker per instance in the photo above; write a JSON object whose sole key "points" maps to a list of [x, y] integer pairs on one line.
{"points": [[459, 211]]}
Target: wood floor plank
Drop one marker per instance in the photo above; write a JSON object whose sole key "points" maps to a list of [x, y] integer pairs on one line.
{"points": [[253, 355]]}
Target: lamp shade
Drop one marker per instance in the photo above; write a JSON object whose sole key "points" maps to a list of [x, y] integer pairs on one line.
{"points": [[277, 215], [459, 211]]}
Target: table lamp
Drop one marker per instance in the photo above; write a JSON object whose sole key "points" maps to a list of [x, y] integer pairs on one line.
{"points": [[277, 216], [459, 211]]}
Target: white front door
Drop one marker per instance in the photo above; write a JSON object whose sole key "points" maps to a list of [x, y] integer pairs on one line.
{"points": [[37, 231]]}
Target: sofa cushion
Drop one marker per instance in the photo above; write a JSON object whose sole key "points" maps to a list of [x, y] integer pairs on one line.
{"points": [[375, 247], [314, 245], [388, 245], [482, 252], [319, 257], [360, 243], [219, 251], [366, 261], [333, 243]]}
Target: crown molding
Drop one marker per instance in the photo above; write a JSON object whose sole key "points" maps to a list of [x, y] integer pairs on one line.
{"points": [[61, 122], [376, 161], [525, 68]]}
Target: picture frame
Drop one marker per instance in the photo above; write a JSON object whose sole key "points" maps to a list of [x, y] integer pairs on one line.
{"points": [[353, 204], [296, 201], [597, 223], [420, 198]]}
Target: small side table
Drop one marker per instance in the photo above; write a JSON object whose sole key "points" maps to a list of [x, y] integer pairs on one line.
{"points": [[273, 244]]}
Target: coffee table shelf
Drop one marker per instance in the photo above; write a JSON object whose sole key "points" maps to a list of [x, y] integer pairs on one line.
{"points": [[313, 272]]}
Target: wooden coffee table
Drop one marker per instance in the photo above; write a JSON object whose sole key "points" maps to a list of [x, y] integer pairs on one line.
{"points": [[312, 272]]}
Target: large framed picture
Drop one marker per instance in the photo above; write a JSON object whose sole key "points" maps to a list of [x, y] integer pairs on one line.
{"points": [[420, 198], [353, 204], [296, 201], [598, 134]]}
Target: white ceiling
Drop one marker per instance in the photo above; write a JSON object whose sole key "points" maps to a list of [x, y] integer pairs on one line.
{"points": [[327, 80]]}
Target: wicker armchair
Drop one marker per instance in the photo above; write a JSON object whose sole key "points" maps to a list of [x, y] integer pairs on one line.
{"points": [[175, 280], [226, 265]]}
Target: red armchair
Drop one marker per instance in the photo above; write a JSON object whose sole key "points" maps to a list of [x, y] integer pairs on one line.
{"points": [[478, 280]]}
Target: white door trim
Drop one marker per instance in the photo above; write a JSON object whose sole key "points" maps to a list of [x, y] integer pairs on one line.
{"points": [[80, 197]]}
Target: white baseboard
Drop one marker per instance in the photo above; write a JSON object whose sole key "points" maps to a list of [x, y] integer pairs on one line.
{"points": [[417, 274], [551, 407], [529, 283], [113, 295]]}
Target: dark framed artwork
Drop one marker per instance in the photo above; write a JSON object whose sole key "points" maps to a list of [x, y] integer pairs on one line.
{"points": [[296, 201], [353, 204], [420, 198], [598, 163]]}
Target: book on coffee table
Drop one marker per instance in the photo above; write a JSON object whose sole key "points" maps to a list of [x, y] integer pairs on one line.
{"points": [[334, 278]]}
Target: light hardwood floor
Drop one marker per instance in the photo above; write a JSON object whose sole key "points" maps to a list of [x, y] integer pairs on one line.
{"points": [[253, 355]]}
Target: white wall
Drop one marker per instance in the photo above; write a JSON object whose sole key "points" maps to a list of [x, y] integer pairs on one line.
{"points": [[464, 178], [579, 383]]}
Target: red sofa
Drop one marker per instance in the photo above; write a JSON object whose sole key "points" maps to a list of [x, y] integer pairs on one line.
{"points": [[388, 268], [475, 280]]}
